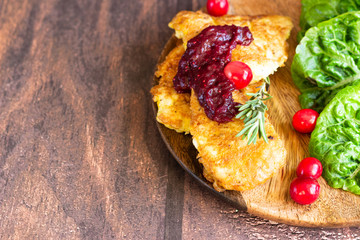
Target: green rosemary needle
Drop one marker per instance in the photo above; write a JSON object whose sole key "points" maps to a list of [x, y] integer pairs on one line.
{"points": [[253, 114]]}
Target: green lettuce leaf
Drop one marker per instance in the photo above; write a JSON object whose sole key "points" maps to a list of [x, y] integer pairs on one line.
{"points": [[316, 11], [336, 140], [327, 60]]}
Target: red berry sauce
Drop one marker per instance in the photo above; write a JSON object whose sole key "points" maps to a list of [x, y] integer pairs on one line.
{"points": [[202, 69]]}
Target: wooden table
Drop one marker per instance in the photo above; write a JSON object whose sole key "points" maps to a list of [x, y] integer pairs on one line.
{"points": [[80, 154]]}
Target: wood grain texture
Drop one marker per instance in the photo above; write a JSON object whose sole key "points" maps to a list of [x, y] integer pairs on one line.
{"points": [[80, 153], [74, 157]]}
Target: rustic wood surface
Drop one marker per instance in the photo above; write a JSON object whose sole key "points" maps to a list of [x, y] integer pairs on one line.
{"points": [[80, 153]]}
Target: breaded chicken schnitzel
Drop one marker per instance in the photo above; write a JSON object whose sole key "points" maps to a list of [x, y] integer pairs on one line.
{"points": [[229, 162], [173, 108], [264, 55]]}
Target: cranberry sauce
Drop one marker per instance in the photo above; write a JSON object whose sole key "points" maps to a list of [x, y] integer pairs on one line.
{"points": [[202, 69]]}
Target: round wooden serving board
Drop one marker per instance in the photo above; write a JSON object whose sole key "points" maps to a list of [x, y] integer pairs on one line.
{"points": [[334, 208]]}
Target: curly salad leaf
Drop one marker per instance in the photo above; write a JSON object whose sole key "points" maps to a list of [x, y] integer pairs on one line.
{"points": [[327, 60], [316, 11], [336, 140]]}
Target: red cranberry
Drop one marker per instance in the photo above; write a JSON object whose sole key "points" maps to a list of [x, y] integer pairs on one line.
{"points": [[304, 121], [309, 168], [239, 73], [217, 7], [304, 190]]}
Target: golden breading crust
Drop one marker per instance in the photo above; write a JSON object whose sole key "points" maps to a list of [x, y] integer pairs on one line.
{"points": [[229, 163], [264, 55], [173, 108]]}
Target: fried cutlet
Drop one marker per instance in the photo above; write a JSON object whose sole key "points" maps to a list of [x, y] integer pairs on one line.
{"points": [[173, 108], [229, 163], [264, 55]]}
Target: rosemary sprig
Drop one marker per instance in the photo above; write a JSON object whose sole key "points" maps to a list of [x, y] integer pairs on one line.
{"points": [[253, 114]]}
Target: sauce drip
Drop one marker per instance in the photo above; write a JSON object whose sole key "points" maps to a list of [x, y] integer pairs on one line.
{"points": [[202, 69]]}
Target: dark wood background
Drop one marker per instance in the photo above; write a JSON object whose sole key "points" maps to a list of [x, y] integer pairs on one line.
{"points": [[80, 154]]}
